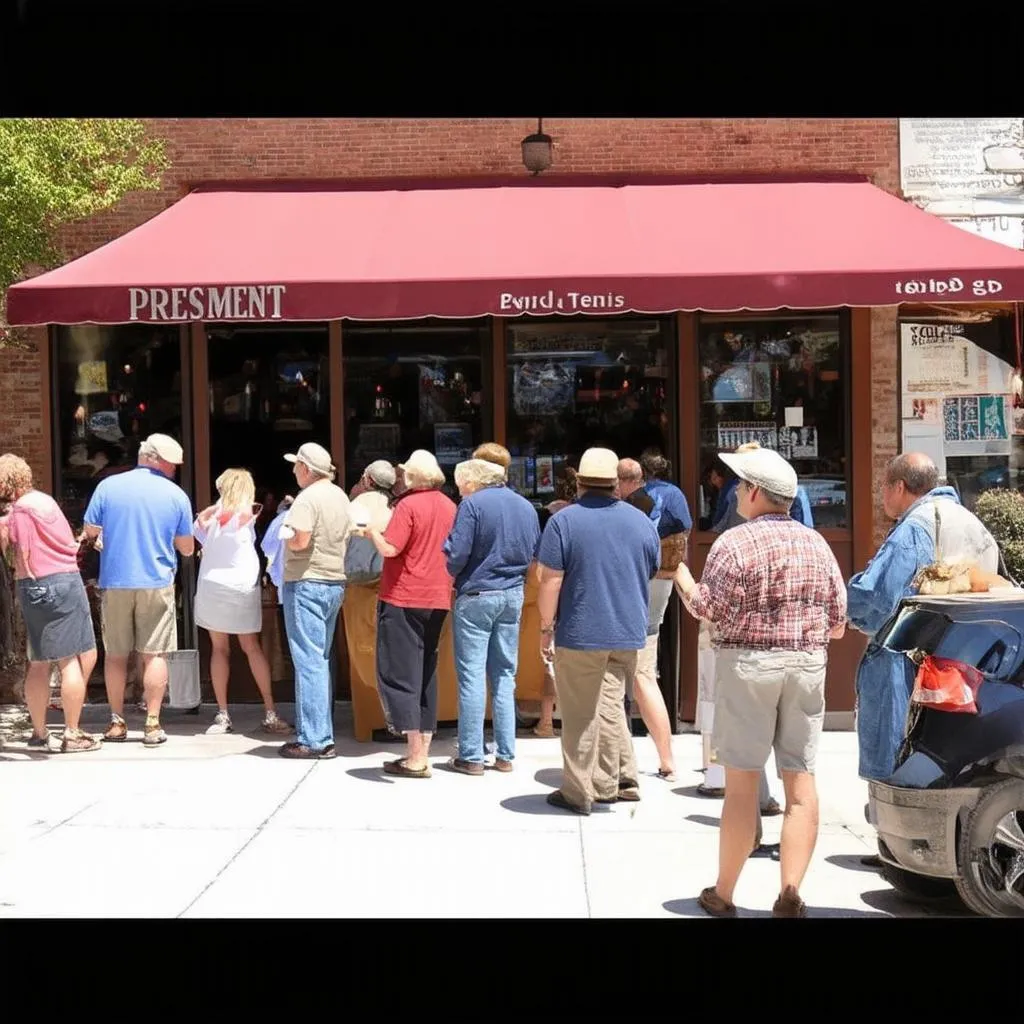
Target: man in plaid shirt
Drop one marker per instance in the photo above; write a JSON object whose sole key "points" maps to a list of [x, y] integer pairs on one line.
{"points": [[774, 595]]}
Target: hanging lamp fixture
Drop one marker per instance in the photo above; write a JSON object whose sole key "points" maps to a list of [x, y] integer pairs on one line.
{"points": [[537, 150]]}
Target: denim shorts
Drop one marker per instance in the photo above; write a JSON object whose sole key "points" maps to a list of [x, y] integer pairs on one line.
{"points": [[57, 616]]}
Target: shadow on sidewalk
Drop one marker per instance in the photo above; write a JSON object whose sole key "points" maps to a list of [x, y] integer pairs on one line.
{"points": [[691, 908]]}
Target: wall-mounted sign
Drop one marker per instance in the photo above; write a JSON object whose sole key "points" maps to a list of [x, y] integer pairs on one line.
{"points": [[234, 302]]}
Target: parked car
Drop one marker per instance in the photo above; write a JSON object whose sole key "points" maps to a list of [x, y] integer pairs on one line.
{"points": [[950, 820]]}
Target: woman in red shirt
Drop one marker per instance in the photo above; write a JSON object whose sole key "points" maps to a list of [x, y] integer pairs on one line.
{"points": [[415, 597], [54, 605]]}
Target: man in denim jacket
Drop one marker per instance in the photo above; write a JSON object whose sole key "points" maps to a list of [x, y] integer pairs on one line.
{"points": [[885, 679]]}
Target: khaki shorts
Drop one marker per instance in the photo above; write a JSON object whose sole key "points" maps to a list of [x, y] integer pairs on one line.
{"points": [[767, 700], [139, 620]]}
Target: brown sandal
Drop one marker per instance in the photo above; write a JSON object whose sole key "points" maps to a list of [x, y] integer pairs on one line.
{"points": [[402, 769], [713, 904], [789, 904]]}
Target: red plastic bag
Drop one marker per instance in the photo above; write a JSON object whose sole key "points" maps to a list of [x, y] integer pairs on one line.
{"points": [[946, 685]]}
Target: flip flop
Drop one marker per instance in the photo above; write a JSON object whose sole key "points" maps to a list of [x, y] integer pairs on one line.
{"points": [[401, 769]]}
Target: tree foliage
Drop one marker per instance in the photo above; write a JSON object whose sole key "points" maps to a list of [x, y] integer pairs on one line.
{"points": [[1002, 512], [57, 170]]}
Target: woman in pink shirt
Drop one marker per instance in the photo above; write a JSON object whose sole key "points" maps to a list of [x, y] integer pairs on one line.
{"points": [[53, 602]]}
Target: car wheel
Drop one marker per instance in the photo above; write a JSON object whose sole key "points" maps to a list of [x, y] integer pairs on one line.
{"points": [[991, 852], [920, 889]]}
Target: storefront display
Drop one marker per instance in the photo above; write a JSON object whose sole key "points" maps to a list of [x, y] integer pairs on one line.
{"points": [[411, 386], [576, 383], [958, 402], [780, 382]]}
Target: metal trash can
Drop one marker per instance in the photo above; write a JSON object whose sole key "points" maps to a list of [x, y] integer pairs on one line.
{"points": [[184, 690]]}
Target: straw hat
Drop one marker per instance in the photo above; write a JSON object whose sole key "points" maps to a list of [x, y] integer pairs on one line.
{"points": [[599, 467]]}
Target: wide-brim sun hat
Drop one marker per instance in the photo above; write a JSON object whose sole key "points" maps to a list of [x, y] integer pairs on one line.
{"points": [[764, 468], [314, 457], [598, 467]]}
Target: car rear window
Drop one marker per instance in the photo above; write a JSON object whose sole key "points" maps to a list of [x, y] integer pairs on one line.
{"points": [[991, 645]]}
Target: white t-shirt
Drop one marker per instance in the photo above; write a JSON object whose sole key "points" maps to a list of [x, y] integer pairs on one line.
{"points": [[229, 553]]}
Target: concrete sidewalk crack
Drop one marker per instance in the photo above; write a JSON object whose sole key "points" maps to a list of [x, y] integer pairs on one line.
{"points": [[238, 853], [583, 858]]}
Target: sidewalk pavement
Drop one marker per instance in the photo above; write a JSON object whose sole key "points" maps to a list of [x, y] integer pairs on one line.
{"points": [[220, 826]]}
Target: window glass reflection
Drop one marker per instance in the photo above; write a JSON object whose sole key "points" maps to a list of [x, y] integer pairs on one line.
{"points": [[115, 386], [410, 386], [573, 384], [780, 382]]}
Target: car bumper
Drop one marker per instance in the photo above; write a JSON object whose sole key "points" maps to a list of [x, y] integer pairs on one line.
{"points": [[917, 828]]}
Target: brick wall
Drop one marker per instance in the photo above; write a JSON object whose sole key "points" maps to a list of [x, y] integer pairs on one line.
{"points": [[21, 406], [244, 148], [885, 413]]}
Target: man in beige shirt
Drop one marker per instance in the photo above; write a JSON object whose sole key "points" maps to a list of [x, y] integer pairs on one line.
{"points": [[316, 532]]}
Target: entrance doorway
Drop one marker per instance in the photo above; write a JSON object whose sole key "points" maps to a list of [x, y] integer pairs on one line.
{"points": [[268, 394]]}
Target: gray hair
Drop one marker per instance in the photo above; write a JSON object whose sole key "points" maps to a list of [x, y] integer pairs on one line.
{"points": [[479, 472], [148, 452], [917, 471], [630, 469], [778, 500]]}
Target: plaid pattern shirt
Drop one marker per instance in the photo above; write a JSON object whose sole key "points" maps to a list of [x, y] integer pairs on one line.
{"points": [[770, 583]]}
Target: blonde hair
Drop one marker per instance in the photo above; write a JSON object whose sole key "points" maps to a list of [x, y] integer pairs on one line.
{"points": [[237, 490], [15, 476], [480, 472], [494, 452]]}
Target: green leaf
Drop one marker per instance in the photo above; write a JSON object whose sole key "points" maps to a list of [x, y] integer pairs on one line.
{"points": [[54, 171]]}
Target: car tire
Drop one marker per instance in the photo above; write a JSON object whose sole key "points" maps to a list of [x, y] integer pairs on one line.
{"points": [[920, 889], [990, 852]]}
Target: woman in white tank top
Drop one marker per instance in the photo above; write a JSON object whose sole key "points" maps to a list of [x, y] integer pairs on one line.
{"points": [[228, 597]]}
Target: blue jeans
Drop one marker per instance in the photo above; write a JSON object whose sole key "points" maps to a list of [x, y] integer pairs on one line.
{"points": [[310, 615], [485, 628]]}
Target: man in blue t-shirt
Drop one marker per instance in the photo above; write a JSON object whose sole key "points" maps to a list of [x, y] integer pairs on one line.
{"points": [[597, 559], [491, 546], [141, 520]]}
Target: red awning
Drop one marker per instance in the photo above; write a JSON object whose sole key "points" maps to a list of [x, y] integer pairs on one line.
{"points": [[317, 253]]}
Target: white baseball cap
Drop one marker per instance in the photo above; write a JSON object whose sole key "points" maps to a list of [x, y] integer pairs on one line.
{"points": [[764, 468], [315, 457]]}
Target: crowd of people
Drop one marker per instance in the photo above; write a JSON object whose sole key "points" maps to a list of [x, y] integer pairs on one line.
{"points": [[770, 600]]}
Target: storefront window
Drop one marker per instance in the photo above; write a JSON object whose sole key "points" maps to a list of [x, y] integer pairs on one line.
{"points": [[780, 382], [959, 405], [115, 386], [410, 386], [268, 395], [573, 384]]}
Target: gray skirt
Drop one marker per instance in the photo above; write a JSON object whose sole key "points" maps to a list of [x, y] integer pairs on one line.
{"points": [[57, 616]]}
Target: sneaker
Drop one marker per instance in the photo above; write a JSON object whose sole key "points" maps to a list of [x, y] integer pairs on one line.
{"points": [[221, 725], [276, 726], [118, 731], [78, 742], [153, 735]]}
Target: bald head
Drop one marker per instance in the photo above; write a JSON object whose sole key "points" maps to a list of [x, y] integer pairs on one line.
{"points": [[631, 477], [908, 477], [916, 470]]}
